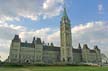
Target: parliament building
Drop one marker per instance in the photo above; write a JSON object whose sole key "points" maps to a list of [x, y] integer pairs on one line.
{"points": [[38, 52]]}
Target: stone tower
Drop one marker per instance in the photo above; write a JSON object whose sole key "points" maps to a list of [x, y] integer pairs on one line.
{"points": [[15, 50], [98, 55], [66, 39]]}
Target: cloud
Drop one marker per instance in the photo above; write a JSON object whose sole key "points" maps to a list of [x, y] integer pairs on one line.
{"points": [[5, 18], [7, 30], [41, 33], [4, 55], [49, 4], [14, 10], [100, 8], [92, 33], [52, 8], [54, 37]]}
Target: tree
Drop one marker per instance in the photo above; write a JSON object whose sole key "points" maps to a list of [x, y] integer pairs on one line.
{"points": [[0, 60]]}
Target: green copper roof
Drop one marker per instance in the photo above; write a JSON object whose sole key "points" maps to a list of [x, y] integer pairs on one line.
{"points": [[65, 13]]}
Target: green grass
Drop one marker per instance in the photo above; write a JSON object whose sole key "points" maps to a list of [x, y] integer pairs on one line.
{"points": [[54, 68]]}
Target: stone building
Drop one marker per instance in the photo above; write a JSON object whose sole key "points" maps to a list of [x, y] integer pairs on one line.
{"points": [[37, 52]]}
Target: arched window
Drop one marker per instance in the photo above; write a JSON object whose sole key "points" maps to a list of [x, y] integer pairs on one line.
{"points": [[69, 58], [63, 60]]}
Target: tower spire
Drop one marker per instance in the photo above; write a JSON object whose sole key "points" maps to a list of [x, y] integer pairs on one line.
{"points": [[65, 12]]}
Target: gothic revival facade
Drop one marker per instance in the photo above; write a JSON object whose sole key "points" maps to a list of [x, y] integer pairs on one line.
{"points": [[37, 52]]}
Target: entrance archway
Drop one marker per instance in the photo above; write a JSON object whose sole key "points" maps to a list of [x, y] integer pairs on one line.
{"points": [[27, 61]]}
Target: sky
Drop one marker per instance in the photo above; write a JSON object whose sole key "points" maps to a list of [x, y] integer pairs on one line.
{"points": [[41, 18]]}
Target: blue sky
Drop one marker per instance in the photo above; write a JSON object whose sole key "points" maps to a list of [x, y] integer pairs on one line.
{"points": [[41, 18], [78, 11], [87, 10]]}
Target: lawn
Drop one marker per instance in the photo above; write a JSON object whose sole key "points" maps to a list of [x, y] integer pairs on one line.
{"points": [[54, 68]]}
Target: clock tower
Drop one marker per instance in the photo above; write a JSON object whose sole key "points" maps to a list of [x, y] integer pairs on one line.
{"points": [[65, 39]]}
